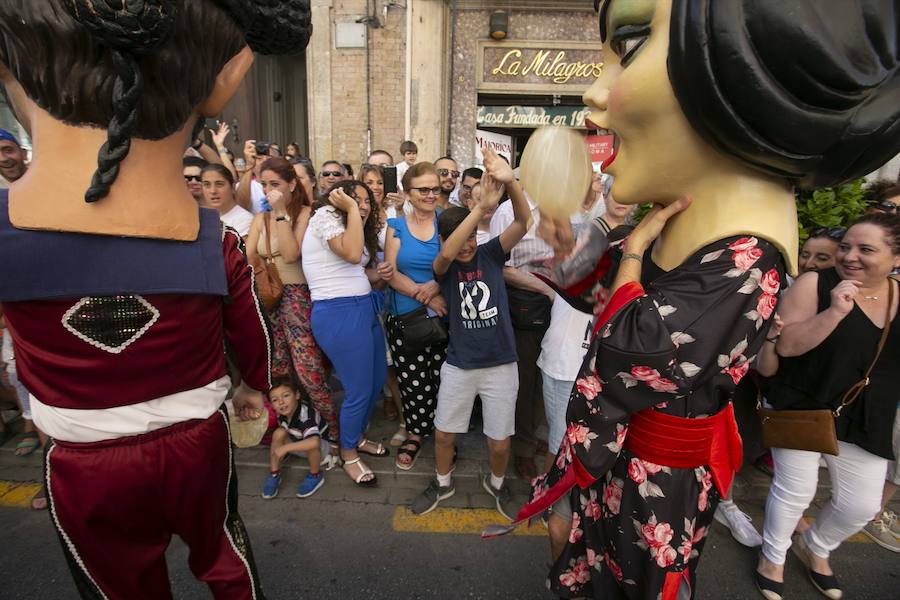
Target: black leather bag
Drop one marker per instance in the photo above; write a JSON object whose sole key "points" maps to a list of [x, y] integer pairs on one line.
{"points": [[419, 331], [528, 310]]}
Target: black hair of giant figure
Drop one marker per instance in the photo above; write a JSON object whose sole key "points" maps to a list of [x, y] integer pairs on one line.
{"points": [[136, 68], [802, 89]]}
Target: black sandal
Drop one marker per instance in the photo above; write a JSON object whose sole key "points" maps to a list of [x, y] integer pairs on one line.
{"points": [[413, 454]]}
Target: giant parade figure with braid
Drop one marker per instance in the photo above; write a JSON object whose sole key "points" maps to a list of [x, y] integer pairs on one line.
{"points": [[120, 293], [720, 108]]}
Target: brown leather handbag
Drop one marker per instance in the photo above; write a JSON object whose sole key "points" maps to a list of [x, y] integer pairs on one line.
{"points": [[265, 274], [814, 430]]}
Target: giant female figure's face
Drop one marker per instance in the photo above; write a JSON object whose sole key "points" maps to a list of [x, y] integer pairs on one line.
{"points": [[658, 155]]}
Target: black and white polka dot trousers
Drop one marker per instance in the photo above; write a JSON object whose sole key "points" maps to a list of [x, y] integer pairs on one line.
{"points": [[419, 375]]}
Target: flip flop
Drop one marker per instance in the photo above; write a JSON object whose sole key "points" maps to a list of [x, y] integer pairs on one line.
{"points": [[380, 450], [28, 445], [39, 500]]}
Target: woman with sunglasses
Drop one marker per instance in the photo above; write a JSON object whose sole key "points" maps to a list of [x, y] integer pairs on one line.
{"points": [[411, 247], [295, 348]]}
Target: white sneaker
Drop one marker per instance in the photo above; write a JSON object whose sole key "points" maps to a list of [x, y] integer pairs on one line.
{"points": [[738, 522]]}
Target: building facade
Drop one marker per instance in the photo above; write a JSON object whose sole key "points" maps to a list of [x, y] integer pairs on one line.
{"points": [[378, 72]]}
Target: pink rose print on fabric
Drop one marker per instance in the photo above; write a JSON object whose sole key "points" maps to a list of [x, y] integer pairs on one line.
{"points": [[704, 477], [663, 385], [612, 495], [644, 373], [589, 387], [650, 377], [737, 372], [591, 509], [665, 556], [616, 446], [766, 304], [575, 533], [656, 537], [636, 471], [689, 539], [735, 364], [745, 259], [744, 243], [770, 282], [580, 434], [579, 574], [613, 566]]}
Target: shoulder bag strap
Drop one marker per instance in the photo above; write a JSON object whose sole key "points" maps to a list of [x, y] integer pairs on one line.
{"points": [[857, 388], [268, 238]]}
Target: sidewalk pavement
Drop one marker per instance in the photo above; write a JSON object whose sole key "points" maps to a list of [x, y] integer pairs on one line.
{"points": [[395, 486]]}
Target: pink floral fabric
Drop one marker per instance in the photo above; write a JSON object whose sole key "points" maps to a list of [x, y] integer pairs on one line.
{"points": [[680, 350]]}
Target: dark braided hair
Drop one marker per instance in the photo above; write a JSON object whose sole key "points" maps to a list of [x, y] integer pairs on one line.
{"points": [[129, 28], [136, 67]]}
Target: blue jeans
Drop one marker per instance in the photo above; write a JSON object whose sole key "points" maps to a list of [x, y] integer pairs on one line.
{"points": [[348, 331]]}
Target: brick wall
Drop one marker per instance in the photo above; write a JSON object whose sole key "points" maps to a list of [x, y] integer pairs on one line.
{"points": [[348, 89]]}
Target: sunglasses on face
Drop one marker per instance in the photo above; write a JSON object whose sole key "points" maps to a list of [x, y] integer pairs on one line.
{"points": [[331, 174], [887, 206], [190, 178], [427, 191], [445, 172], [835, 233]]}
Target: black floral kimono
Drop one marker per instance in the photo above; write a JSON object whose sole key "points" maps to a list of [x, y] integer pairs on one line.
{"points": [[680, 348]]}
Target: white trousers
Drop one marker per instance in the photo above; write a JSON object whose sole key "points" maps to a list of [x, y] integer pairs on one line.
{"points": [[857, 480]]}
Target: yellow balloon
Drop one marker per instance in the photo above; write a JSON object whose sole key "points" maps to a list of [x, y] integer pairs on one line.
{"points": [[556, 170]]}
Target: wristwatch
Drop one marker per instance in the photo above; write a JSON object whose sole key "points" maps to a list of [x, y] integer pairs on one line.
{"points": [[283, 218]]}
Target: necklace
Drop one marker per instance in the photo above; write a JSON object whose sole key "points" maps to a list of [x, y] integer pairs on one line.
{"points": [[871, 297]]}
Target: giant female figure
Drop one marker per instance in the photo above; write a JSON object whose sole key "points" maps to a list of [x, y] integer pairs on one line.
{"points": [[719, 108], [119, 292]]}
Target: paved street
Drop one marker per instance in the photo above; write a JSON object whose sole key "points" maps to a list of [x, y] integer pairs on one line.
{"points": [[348, 543]]}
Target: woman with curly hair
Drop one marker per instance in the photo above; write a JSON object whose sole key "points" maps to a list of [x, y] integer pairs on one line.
{"points": [[338, 249], [295, 347]]}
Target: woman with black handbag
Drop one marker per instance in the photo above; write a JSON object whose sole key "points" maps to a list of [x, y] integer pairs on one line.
{"points": [[839, 352], [417, 337]]}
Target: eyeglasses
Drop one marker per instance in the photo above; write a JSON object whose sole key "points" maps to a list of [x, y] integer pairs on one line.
{"points": [[427, 191], [445, 172], [331, 174], [835, 233], [887, 206], [190, 178]]}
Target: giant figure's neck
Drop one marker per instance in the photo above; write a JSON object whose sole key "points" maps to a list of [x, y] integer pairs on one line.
{"points": [[731, 203], [149, 199]]}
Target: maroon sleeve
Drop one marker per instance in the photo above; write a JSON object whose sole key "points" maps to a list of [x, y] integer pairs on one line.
{"points": [[247, 331]]}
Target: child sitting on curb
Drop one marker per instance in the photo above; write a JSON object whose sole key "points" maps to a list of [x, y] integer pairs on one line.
{"points": [[481, 358], [300, 429]]}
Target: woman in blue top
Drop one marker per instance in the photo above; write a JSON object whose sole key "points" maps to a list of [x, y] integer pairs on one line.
{"points": [[411, 246]]}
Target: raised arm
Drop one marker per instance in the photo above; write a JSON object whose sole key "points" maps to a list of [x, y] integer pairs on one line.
{"points": [[452, 245], [348, 245], [804, 328], [498, 174]]}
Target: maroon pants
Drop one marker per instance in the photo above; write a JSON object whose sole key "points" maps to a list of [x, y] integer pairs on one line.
{"points": [[115, 505]]}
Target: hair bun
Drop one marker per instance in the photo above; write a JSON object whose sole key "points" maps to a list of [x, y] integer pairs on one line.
{"points": [[272, 26], [135, 26]]}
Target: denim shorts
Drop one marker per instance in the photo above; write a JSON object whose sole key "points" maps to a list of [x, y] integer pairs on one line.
{"points": [[556, 401]]}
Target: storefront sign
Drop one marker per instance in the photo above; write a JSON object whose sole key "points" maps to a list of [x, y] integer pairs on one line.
{"points": [[501, 144], [538, 66], [600, 147], [532, 116]]}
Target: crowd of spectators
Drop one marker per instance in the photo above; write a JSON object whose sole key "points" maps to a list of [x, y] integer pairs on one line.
{"points": [[429, 286]]}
